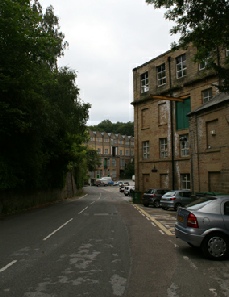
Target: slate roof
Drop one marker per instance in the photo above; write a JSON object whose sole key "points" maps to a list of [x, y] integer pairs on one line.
{"points": [[216, 100]]}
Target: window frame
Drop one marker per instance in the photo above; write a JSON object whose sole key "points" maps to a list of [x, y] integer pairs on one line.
{"points": [[163, 142], [161, 75], [204, 63], [185, 180], [184, 145], [113, 162], [206, 98], [181, 66], [145, 149], [144, 82]]}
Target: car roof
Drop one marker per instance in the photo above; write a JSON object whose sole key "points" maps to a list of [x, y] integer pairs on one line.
{"points": [[158, 189], [181, 190]]}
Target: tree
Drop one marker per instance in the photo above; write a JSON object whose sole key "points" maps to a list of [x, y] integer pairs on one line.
{"points": [[42, 120], [205, 24], [129, 170], [93, 160], [119, 127]]}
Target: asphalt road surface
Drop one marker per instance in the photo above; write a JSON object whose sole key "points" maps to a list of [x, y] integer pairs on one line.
{"points": [[102, 245]]}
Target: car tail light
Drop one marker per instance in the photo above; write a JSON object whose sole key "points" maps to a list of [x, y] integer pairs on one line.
{"points": [[152, 195], [172, 198], [192, 221]]}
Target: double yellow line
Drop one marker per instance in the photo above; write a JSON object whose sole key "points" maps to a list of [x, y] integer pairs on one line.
{"points": [[162, 227]]}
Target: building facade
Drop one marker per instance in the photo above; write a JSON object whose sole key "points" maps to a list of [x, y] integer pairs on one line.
{"points": [[209, 136], [115, 150], [166, 90]]}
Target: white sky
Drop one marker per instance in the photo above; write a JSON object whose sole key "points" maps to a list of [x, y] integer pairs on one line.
{"points": [[107, 39]]}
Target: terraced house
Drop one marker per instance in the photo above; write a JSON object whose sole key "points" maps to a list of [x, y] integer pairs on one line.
{"points": [[116, 152], [181, 124]]}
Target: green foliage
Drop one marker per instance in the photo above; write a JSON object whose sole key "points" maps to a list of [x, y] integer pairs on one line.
{"points": [[205, 24], [42, 120], [129, 170], [93, 160], [119, 127]]}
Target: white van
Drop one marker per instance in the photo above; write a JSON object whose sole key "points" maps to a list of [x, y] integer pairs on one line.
{"points": [[104, 181]]}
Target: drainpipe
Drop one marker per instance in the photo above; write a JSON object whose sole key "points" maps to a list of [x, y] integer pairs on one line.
{"points": [[136, 139], [198, 149], [172, 125]]}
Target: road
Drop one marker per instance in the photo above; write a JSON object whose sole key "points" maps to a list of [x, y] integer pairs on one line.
{"points": [[102, 245]]}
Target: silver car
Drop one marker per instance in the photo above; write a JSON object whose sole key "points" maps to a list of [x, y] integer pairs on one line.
{"points": [[175, 199], [205, 224]]}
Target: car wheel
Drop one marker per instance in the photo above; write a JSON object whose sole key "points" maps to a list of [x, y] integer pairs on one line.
{"points": [[165, 208], [216, 246], [177, 206], [156, 203], [146, 204]]}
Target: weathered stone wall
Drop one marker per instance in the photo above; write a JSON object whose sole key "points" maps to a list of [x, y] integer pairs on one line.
{"points": [[17, 201]]}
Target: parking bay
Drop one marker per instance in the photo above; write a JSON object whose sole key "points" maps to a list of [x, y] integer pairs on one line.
{"points": [[164, 219]]}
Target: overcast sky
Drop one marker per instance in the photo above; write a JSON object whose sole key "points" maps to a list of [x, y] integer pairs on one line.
{"points": [[107, 39]]}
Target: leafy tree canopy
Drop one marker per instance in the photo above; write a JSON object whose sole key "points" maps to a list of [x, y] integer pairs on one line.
{"points": [[119, 127], [42, 120], [205, 24]]}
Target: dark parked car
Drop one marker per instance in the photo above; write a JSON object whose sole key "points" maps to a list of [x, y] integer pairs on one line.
{"points": [[175, 199], [205, 224], [153, 197]]}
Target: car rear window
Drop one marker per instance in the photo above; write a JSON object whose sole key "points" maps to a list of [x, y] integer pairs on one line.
{"points": [[204, 204], [149, 191], [168, 194], [185, 194]]}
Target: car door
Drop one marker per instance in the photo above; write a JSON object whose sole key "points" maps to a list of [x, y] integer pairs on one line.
{"points": [[185, 197], [226, 214]]}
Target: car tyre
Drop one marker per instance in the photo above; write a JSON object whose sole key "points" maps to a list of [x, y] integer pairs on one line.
{"points": [[156, 204], [165, 208], [215, 246], [146, 204], [177, 206]]}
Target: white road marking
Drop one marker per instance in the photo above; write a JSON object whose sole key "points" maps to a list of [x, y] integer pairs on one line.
{"points": [[47, 237], [83, 210], [190, 262], [175, 245], [213, 291], [83, 196], [8, 265]]}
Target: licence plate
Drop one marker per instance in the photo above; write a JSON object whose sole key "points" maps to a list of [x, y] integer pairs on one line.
{"points": [[180, 219]]}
